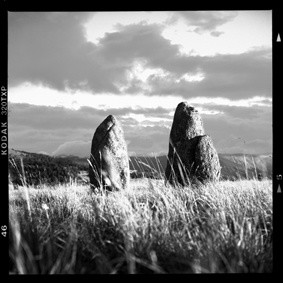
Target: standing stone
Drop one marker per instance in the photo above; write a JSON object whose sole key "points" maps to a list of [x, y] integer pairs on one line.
{"points": [[191, 153], [207, 161], [109, 163]]}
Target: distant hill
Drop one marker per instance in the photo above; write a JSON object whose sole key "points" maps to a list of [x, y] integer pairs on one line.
{"points": [[20, 153], [37, 169], [236, 166], [41, 168]]}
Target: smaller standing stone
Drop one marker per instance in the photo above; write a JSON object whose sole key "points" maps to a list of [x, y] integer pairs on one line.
{"points": [[109, 163], [191, 153]]}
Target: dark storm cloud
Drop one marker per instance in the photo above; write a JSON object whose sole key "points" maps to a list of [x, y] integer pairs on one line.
{"points": [[50, 48], [232, 76], [139, 41], [238, 76]]}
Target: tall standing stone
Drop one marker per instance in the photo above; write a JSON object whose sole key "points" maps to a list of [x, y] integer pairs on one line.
{"points": [[109, 163], [191, 153]]}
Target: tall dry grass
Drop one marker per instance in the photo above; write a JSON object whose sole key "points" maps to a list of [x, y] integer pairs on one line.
{"points": [[150, 228]]}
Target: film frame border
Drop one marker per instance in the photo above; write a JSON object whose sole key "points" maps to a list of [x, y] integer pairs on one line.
{"points": [[277, 67]]}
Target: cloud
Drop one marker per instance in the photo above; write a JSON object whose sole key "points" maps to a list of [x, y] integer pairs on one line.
{"points": [[135, 73], [52, 49], [60, 118], [46, 140], [229, 133], [235, 145], [143, 142], [216, 33], [59, 130], [206, 21], [104, 22], [147, 140], [32, 140], [232, 76], [55, 129], [53, 118], [257, 113]]}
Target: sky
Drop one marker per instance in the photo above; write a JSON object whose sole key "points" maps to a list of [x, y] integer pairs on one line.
{"points": [[67, 71]]}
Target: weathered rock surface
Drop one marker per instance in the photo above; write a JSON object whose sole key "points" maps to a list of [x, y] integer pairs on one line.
{"points": [[207, 161], [109, 168], [187, 124], [191, 153]]}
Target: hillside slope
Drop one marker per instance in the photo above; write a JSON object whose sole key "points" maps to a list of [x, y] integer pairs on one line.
{"points": [[38, 169], [236, 166]]}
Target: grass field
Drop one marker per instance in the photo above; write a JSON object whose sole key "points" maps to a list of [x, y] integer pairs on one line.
{"points": [[223, 227]]}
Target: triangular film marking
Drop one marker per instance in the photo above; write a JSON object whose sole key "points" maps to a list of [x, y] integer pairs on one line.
{"points": [[278, 38], [279, 189]]}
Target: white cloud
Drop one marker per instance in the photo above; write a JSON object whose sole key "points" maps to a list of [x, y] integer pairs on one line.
{"points": [[249, 102], [249, 29], [204, 33], [109, 22], [204, 111], [44, 96], [142, 117], [139, 72], [190, 77], [142, 64], [40, 95]]}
